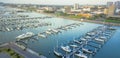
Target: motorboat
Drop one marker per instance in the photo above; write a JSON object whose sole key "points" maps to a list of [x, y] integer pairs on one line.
{"points": [[66, 48], [75, 46], [83, 39], [56, 31], [81, 55], [86, 50], [41, 35], [27, 35], [91, 33], [47, 32], [100, 40], [77, 41], [57, 53]]}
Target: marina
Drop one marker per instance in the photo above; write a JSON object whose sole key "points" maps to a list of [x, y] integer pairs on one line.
{"points": [[85, 43], [56, 37]]}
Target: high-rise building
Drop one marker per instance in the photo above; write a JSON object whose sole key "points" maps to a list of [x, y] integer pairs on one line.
{"points": [[109, 4], [67, 9], [117, 4], [76, 6], [111, 10], [105, 11]]}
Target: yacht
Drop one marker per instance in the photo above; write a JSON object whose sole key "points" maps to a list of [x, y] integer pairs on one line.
{"points": [[103, 37], [47, 32], [66, 48], [57, 53], [91, 33], [27, 35], [7, 29], [77, 41], [100, 40], [111, 28], [86, 50], [88, 37], [41, 35], [81, 55], [56, 31], [75, 46]]}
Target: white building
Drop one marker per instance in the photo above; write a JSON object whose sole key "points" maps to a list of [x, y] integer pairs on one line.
{"points": [[76, 6]]}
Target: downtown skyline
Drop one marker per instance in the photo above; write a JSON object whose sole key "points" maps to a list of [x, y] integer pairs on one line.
{"points": [[57, 2]]}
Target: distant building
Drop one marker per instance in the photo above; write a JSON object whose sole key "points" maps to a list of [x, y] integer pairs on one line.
{"points": [[76, 6], [76, 11], [97, 12], [49, 8], [109, 4], [67, 9], [117, 4], [87, 9], [40, 10], [105, 11], [117, 12], [111, 10]]}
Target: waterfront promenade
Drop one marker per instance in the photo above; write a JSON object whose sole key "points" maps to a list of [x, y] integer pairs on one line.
{"points": [[85, 20]]}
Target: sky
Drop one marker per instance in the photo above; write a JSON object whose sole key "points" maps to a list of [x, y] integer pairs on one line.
{"points": [[59, 2]]}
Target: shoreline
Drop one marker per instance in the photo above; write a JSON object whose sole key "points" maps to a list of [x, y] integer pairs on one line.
{"points": [[90, 21], [20, 50]]}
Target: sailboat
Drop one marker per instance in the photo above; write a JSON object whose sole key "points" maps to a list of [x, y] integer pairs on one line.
{"points": [[57, 53]]}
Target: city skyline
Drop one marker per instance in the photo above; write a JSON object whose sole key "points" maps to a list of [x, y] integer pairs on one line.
{"points": [[56, 2]]}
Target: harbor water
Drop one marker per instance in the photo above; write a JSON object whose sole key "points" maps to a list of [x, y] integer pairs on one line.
{"points": [[45, 46]]}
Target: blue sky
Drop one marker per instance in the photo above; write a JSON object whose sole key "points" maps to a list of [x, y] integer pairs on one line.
{"points": [[58, 2]]}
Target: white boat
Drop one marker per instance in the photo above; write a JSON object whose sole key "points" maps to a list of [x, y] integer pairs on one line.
{"points": [[77, 41], [91, 33], [27, 35], [75, 46], [81, 55], [83, 39], [41, 35], [86, 50], [49, 29], [100, 40], [56, 31], [66, 48], [7, 29], [64, 28], [103, 37], [111, 28], [88, 37], [47, 32], [57, 53]]}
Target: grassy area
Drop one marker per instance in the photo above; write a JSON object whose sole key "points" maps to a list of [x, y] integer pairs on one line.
{"points": [[12, 53], [73, 16], [112, 21], [68, 15]]}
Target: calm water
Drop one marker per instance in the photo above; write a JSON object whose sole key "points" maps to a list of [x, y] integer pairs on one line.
{"points": [[110, 50]]}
